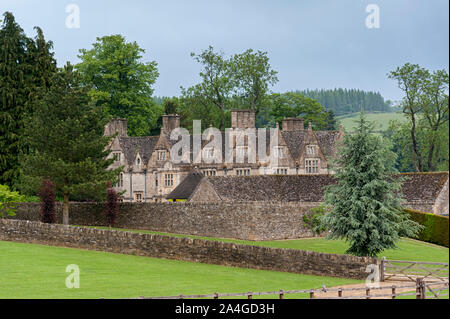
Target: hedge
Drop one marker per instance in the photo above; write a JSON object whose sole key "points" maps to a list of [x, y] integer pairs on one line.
{"points": [[436, 227]]}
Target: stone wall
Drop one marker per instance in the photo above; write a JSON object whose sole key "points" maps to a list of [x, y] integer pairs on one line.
{"points": [[196, 250], [248, 221]]}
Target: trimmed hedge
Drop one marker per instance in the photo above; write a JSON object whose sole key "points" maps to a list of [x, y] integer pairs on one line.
{"points": [[436, 227]]}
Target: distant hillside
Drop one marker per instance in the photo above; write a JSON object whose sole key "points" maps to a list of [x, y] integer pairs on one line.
{"points": [[344, 101], [381, 120]]}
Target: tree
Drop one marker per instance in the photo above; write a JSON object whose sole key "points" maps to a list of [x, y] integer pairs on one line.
{"points": [[294, 104], [67, 142], [47, 196], [252, 74], [8, 201], [364, 205], [26, 66], [215, 89], [410, 79], [121, 83], [13, 96]]}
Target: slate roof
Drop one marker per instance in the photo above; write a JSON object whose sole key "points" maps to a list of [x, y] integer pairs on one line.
{"points": [[143, 145], [187, 186], [301, 188]]}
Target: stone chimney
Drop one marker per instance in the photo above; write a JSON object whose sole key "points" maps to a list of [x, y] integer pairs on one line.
{"points": [[116, 125], [242, 119], [293, 124], [170, 122]]}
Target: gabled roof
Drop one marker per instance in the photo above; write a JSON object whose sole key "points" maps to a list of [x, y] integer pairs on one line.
{"points": [[296, 139], [187, 186], [423, 187], [132, 145]]}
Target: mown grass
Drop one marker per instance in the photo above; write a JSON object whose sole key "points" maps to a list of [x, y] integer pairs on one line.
{"points": [[38, 271], [381, 120], [408, 249]]}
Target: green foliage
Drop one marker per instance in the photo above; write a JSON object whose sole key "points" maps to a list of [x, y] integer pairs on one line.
{"points": [[8, 201], [364, 206], [25, 67], [435, 229], [344, 101], [425, 105], [67, 142], [293, 104], [313, 220], [121, 83]]}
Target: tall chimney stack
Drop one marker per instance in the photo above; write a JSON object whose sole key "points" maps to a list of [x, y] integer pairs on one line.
{"points": [[116, 125], [170, 122], [293, 124], [242, 119]]}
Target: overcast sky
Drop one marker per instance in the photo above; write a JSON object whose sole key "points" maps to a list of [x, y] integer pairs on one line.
{"points": [[311, 43]]}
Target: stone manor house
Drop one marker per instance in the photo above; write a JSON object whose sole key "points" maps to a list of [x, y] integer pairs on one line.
{"points": [[149, 173]]}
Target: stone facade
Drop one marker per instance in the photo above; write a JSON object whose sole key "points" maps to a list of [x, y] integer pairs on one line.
{"points": [[195, 250], [247, 221], [149, 173]]}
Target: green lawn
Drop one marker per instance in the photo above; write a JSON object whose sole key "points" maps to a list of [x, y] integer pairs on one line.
{"points": [[408, 249], [37, 271], [381, 120]]}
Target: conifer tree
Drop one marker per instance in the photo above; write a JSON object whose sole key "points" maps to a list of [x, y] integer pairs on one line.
{"points": [[13, 94], [365, 204], [67, 142]]}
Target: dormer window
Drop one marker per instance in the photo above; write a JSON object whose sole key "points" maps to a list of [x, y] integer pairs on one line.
{"points": [[162, 155], [279, 152], [138, 161], [310, 150], [117, 156]]}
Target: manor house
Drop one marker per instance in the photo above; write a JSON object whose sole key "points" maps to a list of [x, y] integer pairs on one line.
{"points": [[150, 173]]}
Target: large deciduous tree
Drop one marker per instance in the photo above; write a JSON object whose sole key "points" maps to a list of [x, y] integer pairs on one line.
{"points": [[121, 82], [67, 143], [364, 205]]}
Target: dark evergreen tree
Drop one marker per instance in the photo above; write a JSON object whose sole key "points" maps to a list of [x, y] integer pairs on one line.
{"points": [[67, 142], [13, 96], [365, 206]]}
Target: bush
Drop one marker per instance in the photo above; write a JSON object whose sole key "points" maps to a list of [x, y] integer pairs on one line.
{"points": [[47, 196], [112, 209], [436, 227], [312, 220], [8, 201]]}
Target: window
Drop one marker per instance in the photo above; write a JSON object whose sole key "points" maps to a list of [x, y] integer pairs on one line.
{"points": [[312, 166], [209, 172], [310, 150], [209, 152], [161, 155], [156, 180], [279, 152], [120, 181], [281, 171], [242, 151], [138, 196], [117, 156], [138, 161], [168, 180], [243, 172]]}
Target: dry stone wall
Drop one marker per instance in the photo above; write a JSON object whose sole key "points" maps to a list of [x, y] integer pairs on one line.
{"points": [[196, 250], [248, 220]]}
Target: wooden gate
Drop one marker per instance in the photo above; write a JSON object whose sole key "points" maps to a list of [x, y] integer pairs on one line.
{"points": [[411, 270]]}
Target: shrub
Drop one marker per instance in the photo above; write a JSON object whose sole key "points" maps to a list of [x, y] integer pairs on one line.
{"points": [[8, 201], [436, 227], [112, 209], [47, 196], [312, 220]]}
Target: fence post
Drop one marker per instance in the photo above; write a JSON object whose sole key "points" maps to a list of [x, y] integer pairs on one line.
{"points": [[281, 294], [216, 296], [382, 268], [420, 288], [393, 292], [311, 294], [368, 293], [249, 295], [340, 292]]}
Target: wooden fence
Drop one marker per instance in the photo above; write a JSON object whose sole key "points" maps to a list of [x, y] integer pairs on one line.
{"points": [[411, 270], [418, 290]]}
